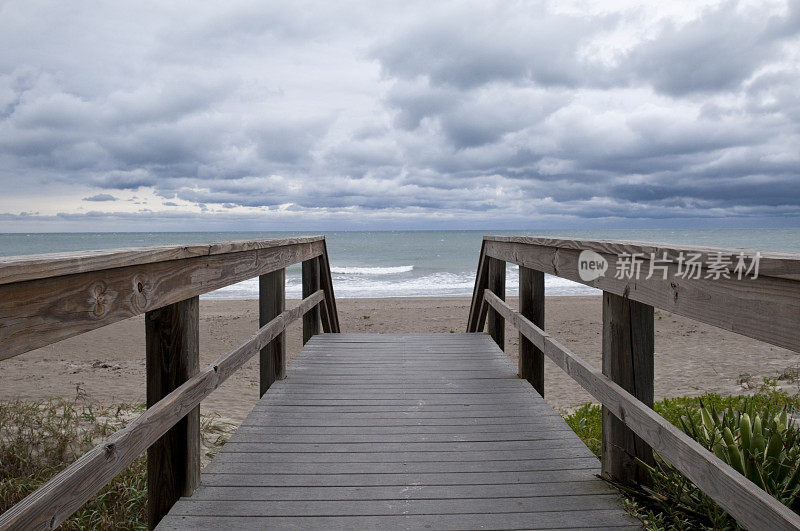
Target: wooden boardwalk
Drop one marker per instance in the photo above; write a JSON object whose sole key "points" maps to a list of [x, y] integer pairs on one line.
{"points": [[402, 431]]}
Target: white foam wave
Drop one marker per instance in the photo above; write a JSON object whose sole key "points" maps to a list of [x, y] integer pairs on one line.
{"points": [[441, 284], [371, 270]]}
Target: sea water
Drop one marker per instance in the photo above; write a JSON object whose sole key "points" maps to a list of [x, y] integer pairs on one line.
{"points": [[398, 263]]}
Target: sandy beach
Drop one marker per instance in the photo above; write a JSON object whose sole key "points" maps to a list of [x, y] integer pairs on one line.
{"points": [[108, 365]]}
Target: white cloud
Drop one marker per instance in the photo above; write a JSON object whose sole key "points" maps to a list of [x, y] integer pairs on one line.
{"points": [[399, 113]]}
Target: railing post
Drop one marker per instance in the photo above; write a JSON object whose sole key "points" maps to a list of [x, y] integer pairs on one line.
{"points": [[329, 304], [310, 284], [497, 285], [173, 462], [628, 360], [271, 302], [531, 306]]}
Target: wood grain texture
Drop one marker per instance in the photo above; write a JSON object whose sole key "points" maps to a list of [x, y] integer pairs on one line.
{"points": [[628, 347], [32, 267], [476, 310], [531, 306], [496, 284], [751, 506], [173, 357], [298, 459], [271, 303], [36, 313], [311, 283], [773, 264], [57, 499], [326, 285], [766, 308]]}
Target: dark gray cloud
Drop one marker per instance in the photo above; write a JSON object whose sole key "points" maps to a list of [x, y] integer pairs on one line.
{"points": [[101, 197], [402, 114]]}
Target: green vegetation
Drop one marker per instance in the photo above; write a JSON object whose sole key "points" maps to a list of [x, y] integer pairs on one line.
{"points": [[754, 434], [39, 439]]}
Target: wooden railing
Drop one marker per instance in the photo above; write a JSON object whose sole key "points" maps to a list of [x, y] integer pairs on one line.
{"points": [[47, 298], [763, 304]]}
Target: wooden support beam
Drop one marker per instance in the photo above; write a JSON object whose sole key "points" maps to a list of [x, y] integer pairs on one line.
{"points": [[497, 285], [173, 357], [477, 317], [628, 361], [531, 306], [326, 285], [311, 283], [271, 303]]}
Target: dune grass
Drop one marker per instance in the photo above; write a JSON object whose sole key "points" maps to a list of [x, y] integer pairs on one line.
{"points": [[38, 439]]}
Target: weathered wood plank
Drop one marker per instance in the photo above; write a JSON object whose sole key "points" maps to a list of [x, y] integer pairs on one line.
{"points": [[765, 308], [773, 263], [173, 357], [311, 319], [401, 492], [393, 507], [326, 285], [746, 502], [38, 312], [57, 499], [602, 519], [476, 314], [628, 347], [271, 303], [32, 267], [357, 480], [496, 284], [531, 306]]}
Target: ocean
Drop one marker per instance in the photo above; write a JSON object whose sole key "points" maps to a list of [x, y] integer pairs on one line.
{"points": [[397, 263]]}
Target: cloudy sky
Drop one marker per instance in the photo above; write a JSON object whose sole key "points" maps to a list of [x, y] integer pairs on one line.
{"points": [[337, 115]]}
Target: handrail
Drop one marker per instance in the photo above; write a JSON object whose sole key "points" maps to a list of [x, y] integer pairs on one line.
{"points": [[57, 499], [46, 298], [764, 308], [627, 342], [41, 304], [749, 504]]}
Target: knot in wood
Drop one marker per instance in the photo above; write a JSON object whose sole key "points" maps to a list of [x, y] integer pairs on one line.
{"points": [[100, 298], [139, 292]]}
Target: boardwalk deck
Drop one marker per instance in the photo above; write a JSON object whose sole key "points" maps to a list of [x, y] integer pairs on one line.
{"points": [[402, 431]]}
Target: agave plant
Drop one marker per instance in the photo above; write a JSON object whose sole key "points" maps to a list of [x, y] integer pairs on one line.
{"points": [[764, 450]]}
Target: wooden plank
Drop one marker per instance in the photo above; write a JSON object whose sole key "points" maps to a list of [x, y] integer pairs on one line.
{"points": [[531, 306], [475, 321], [773, 263], [235, 465], [268, 460], [58, 498], [33, 267], [393, 507], [326, 285], [38, 312], [628, 347], [271, 303], [765, 308], [311, 319], [357, 480], [496, 284], [401, 492], [173, 357], [602, 519], [258, 436], [750, 505]]}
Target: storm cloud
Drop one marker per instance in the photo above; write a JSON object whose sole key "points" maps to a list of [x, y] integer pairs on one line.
{"points": [[408, 114]]}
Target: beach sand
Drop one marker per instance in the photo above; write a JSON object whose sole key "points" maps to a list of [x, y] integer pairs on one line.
{"points": [[108, 365]]}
